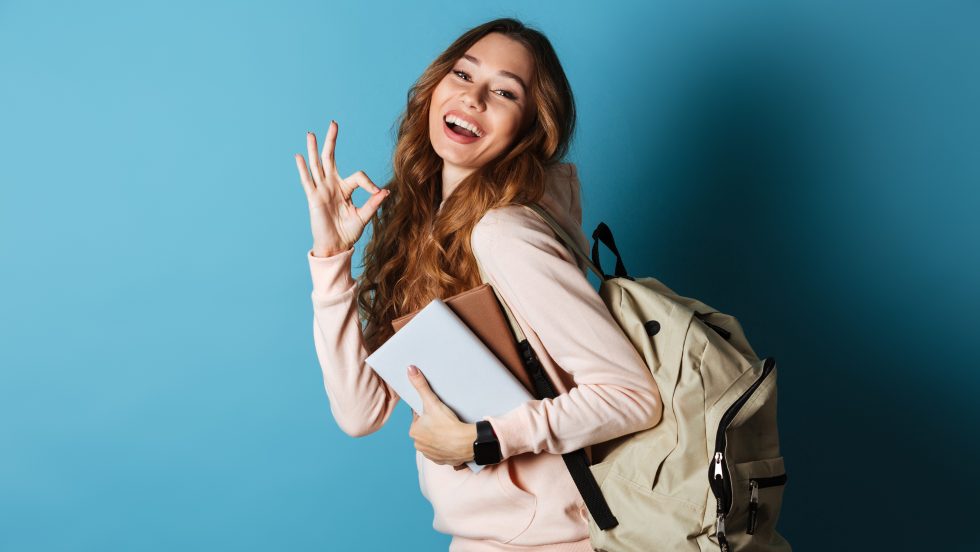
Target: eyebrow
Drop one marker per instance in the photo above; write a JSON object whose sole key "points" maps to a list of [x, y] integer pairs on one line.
{"points": [[501, 72]]}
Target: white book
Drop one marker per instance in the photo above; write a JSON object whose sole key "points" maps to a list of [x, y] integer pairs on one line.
{"points": [[460, 369]]}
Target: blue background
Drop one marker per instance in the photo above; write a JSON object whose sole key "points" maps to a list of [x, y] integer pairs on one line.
{"points": [[810, 168]]}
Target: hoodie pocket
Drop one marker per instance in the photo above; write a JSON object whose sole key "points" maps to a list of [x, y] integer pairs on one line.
{"points": [[483, 505]]}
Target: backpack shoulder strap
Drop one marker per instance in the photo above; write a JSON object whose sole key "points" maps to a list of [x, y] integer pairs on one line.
{"points": [[565, 238]]}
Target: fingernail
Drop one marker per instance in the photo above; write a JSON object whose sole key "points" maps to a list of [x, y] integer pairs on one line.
{"points": [[413, 370]]}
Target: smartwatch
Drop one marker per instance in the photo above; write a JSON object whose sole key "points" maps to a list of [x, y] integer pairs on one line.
{"points": [[486, 448]]}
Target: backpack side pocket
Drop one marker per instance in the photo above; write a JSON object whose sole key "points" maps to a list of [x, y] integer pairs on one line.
{"points": [[757, 500]]}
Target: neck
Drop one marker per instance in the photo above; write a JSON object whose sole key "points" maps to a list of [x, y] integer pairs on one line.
{"points": [[452, 175]]}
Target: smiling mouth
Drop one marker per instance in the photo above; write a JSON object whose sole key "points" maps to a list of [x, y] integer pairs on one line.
{"points": [[462, 131], [460, 127]]}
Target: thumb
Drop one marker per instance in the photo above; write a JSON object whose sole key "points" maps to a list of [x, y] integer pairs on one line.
{"points": [[421, 385]]}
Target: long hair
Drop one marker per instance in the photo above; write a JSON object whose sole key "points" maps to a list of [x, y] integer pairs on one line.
{"points": [[419, 252]]}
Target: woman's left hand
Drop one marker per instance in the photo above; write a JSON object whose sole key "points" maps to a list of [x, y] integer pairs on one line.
{"points": [[438, 433]]}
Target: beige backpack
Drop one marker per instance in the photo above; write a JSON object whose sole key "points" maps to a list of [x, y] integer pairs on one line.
{"points": [[709, 476]]}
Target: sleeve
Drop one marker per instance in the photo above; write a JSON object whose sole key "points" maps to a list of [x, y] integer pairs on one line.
{"points": [[615, 394], [361, 402]]}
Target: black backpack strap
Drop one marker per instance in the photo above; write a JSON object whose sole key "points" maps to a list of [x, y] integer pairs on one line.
{"points": [[604, 234], [576, 461]]}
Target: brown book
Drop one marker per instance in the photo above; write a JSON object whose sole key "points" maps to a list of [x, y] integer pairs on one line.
{"points": [[480, 310]]}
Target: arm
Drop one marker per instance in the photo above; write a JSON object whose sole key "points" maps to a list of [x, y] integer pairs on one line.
{"points": [[361, 402], [615, 393]]}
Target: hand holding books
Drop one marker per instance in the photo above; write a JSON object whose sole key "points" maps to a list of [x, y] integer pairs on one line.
{"points": [[438, 433], [460, 369]]}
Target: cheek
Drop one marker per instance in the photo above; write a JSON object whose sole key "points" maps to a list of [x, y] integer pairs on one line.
{"points": [[507, 124], [438, 103], [443, 91]]}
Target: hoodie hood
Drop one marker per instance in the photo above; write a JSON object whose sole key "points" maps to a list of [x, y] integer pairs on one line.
{"points": [[562, 199]]}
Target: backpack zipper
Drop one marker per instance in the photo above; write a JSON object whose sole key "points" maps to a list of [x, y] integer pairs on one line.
{"points": [[754, 485], [717, 481], [719, 477]]}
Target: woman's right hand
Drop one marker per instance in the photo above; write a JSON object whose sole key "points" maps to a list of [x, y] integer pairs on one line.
{"points": [[335, 221]]}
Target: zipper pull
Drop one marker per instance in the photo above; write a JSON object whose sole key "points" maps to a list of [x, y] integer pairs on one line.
{"points": [[720, 534], [718, 473], [753, 505]]}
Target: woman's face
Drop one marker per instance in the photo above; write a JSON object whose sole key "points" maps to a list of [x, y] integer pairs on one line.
{"points": [[486, 89]]}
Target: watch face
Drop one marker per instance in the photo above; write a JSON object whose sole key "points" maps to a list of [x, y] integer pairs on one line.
{"points": [[486, 453], [486, 449]]}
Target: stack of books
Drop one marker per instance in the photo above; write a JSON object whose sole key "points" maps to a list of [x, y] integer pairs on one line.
{"points": [[467, 351]]}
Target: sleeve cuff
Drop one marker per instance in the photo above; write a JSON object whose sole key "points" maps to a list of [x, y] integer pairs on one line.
{"points": [[511, 432], [331, 275]]}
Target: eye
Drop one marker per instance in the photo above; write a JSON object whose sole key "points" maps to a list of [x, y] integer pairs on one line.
{"points": [[464, 76]]}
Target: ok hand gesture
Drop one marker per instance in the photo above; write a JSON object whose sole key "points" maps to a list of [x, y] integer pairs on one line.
{"points": [[335, 221]]}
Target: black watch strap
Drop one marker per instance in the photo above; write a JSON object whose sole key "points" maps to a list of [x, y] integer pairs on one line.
{"points": [[486, 448]]}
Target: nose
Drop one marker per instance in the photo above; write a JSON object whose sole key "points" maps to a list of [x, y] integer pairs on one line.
{"points": [[472, 99]]}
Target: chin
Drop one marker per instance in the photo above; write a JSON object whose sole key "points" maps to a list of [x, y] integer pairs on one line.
{"points": [[448, 154], [454, 160]]}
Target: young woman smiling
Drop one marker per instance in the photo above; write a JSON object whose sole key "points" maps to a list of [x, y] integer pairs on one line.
{"points": [[485, 130]]}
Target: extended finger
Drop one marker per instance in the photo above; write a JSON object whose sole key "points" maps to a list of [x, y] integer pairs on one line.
{"points": [[315, 167], [329, 144], [304, 176]]}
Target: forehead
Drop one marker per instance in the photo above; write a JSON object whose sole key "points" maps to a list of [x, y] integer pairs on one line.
{"points": [[497, 52]]}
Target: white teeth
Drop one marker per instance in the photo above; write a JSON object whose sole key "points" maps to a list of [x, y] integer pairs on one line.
{"points": [[457, 121]]}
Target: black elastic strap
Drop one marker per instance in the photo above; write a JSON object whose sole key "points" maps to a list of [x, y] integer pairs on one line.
{"points": [[576, 461], [603, 234]]}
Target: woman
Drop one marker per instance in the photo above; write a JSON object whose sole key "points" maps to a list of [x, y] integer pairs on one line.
{"points": [[485, 129]]}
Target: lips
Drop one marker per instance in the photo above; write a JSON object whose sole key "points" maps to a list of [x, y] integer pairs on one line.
{"points": [[464, 117], [458, 138]]}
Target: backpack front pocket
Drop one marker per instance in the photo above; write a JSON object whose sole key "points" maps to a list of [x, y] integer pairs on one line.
{"points": [[757, 499], [762, 483]]}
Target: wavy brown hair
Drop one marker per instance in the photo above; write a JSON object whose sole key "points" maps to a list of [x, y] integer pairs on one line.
{"points": [[419, 252]]}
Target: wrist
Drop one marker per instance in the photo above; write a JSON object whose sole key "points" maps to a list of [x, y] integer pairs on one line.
{"points": [[327, 252], [469, 436], [486, 446]]}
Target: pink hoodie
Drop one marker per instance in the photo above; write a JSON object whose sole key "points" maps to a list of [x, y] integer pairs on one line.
{"points": [[528, 501]]}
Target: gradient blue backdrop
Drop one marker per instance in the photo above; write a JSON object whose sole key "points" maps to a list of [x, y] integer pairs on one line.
{"points": [[811, 168]]}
